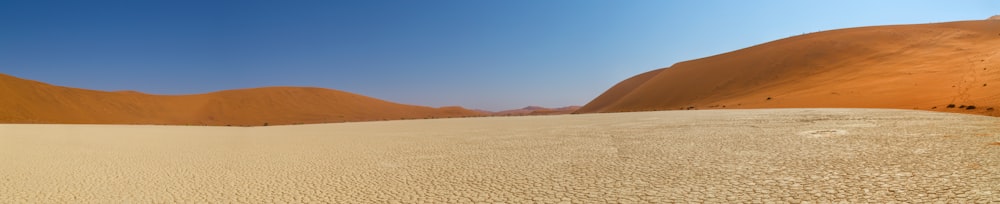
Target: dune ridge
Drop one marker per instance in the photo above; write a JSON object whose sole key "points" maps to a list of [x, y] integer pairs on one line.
{"points": [[951, 67], [26, 101]]}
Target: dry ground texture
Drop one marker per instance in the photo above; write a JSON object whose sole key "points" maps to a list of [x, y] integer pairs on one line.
{"points": [[765, 155]]}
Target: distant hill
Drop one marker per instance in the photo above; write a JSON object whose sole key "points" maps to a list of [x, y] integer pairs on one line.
{"points": [[26, 101], [537, 110], [952, 67]]}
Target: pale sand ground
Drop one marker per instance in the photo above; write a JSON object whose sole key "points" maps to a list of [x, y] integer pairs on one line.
{"points": [[697, 156]]}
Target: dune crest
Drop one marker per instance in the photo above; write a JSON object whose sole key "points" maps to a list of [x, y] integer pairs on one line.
{"points": [[26, 101], [952, 67]]}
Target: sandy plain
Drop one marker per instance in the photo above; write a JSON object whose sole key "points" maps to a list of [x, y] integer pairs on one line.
{"points": [[719, 156]]}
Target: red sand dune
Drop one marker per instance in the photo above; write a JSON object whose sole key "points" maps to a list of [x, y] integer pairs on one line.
{"points": [[925, 66], [25, 101], [537, 110]]}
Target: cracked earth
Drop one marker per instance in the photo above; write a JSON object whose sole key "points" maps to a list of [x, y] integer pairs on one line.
{"points": [[716, 156]]}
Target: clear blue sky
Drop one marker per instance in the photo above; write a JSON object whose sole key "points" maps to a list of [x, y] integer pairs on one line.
{"points": [[490, 55]]}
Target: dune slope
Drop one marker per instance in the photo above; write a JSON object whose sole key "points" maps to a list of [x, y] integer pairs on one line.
{"points": [[26, 101], [924, 66]]}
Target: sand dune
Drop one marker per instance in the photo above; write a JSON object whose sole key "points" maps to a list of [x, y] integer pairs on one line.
{"points": [[925, 66], [710, 156], [26, 101]]}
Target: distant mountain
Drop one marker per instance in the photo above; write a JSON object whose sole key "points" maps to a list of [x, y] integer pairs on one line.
{"points": [[537, 110], [26, 101], [952, 67]]}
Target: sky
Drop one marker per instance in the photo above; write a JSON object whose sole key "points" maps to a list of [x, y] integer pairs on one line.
{"points": [[491, 55]]}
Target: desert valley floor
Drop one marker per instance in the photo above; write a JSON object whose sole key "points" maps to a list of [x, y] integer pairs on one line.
{"points": [[766, 155]]}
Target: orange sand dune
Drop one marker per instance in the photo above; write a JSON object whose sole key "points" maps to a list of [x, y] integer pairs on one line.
{"points": [[925, 66], [25, 101], [537, 110]]}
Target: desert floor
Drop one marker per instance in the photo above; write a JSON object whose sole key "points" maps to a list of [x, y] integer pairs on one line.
{"points": [[781, 155]]}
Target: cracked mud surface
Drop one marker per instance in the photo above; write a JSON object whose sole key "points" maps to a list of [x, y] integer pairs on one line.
{"points": [[718, 156]]}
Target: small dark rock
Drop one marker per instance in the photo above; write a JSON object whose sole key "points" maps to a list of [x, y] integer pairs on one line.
{"points": [[970, 107], [951, 105]]}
